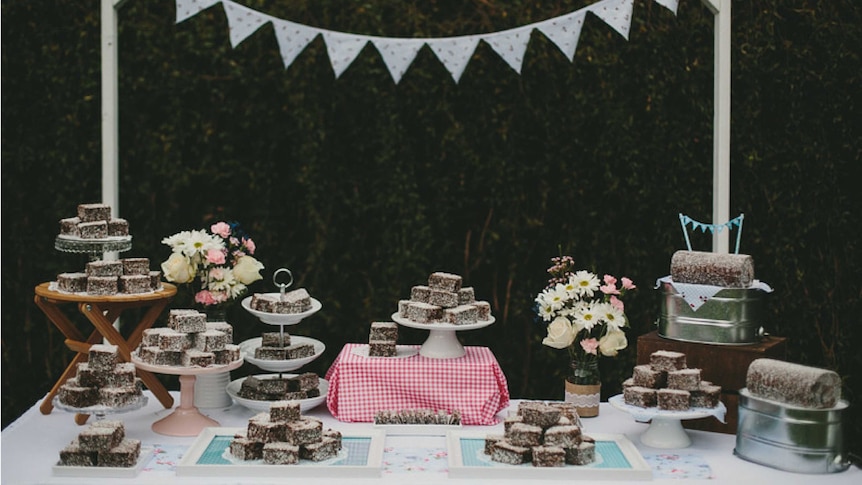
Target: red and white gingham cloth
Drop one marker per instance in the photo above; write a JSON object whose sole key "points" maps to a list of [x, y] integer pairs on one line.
{"points": [[473, 384]]}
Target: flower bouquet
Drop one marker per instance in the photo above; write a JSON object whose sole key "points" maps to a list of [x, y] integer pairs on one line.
{"points": [[586, 316], [218, 264]]}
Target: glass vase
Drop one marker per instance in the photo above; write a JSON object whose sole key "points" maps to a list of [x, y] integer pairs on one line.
{"points": [[584, 387]]}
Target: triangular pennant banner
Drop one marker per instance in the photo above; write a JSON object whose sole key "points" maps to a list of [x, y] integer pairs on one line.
{"points": [[242, 21], [564, 32], [671, 5], [616, 13], [189, 8], [454, 52], [397, 54], [292, 39], [511, 45], [343, 49]]}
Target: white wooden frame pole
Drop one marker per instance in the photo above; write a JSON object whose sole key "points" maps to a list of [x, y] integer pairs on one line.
{"points": [[110, 106], [721, 124]]}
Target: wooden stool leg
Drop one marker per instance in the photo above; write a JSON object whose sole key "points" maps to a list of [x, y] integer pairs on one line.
{"points": [[47, 406]]}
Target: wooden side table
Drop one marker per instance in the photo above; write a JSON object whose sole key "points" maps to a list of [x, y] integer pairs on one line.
{"points": [[102, 311]]}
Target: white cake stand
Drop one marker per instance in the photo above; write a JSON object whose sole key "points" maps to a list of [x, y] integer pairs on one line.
{"points": [[442, 342], [186, 420], [665, 429]]}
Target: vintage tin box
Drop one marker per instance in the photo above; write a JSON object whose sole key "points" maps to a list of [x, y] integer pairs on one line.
{"points": [[734, 316], [791, 438]]}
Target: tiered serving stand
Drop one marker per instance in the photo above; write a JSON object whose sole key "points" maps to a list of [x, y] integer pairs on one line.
{"points": [[101, 311], [280, 320]]}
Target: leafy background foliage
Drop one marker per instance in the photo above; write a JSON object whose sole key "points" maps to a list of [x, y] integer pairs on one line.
{"points": [[362, 187]]}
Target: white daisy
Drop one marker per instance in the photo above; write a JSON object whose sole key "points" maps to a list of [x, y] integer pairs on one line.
{"points": [[199, 243], [587, 283], [587, 317], [611, 315], [545, 311]]}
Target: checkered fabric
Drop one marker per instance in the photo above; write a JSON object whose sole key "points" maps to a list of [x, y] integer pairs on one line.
{"points": [[473, 384]]}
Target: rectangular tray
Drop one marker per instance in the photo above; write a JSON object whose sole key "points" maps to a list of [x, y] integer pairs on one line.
{"points": [[104, 471], [204, 459], [417, 429], [616, 459]]}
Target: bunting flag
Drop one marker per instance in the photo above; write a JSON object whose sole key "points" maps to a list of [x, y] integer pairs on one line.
{"points": [[685, 220], [399, 53]]}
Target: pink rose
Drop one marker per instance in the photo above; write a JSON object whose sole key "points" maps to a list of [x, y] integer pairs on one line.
{"points": [[249, 245], [205, 297], [590, 345], [220, 228], [627, 284], [610, 280], [215, 256], [617, 303], [609, 289]]}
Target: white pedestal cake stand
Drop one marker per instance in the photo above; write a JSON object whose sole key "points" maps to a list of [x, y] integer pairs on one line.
{"points": [[186, 420], [665, 429], [442, 341]]}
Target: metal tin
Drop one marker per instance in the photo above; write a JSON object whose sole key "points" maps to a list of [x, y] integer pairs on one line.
{"points": [[791, 438], [733, 316]]}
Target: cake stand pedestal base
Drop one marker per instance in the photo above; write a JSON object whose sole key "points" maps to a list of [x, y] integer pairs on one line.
{"points": [[186, 420], [442, 344], [665, 433]]}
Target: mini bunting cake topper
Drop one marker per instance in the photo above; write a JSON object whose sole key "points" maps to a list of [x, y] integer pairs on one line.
{"points": [[684, 221]]}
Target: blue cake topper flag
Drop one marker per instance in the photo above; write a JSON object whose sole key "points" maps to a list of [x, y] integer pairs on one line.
{"points": [[684, 220]]}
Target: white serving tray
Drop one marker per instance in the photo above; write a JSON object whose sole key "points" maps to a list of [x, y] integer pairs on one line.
{"points": [[625, 464], [190, 466], [105, 471]]}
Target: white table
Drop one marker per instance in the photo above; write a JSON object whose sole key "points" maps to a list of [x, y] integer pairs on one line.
{"points": [[30, 448]]}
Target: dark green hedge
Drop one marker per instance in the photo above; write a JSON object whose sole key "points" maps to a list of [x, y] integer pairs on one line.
{"points": [[363, 187]]}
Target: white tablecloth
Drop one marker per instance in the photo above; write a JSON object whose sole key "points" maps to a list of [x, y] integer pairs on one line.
{"points": [[30, 448]]}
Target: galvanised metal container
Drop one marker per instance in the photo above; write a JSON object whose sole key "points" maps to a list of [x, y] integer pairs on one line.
{"points": [[734, 316], [791, 438]]}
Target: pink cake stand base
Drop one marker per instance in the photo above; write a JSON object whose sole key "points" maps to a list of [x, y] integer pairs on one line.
{"points": [[186, 420]]}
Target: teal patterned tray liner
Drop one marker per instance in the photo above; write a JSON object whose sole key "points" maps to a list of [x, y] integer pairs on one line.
{"points": [[610, 453], [357, 451]]}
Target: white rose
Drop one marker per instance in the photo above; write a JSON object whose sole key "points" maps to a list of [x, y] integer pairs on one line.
{"points": [[560, 334], [612, 342], [178, 269], [247, 270]]}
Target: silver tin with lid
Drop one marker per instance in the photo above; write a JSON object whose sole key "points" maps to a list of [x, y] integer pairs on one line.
{"points": [[791, 438], [733, 316]]}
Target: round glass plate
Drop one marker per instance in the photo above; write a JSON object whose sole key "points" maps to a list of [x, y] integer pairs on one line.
{"points": [[255, 405], [71, 244], [101, 409], [281, 318], [247, 350]]}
